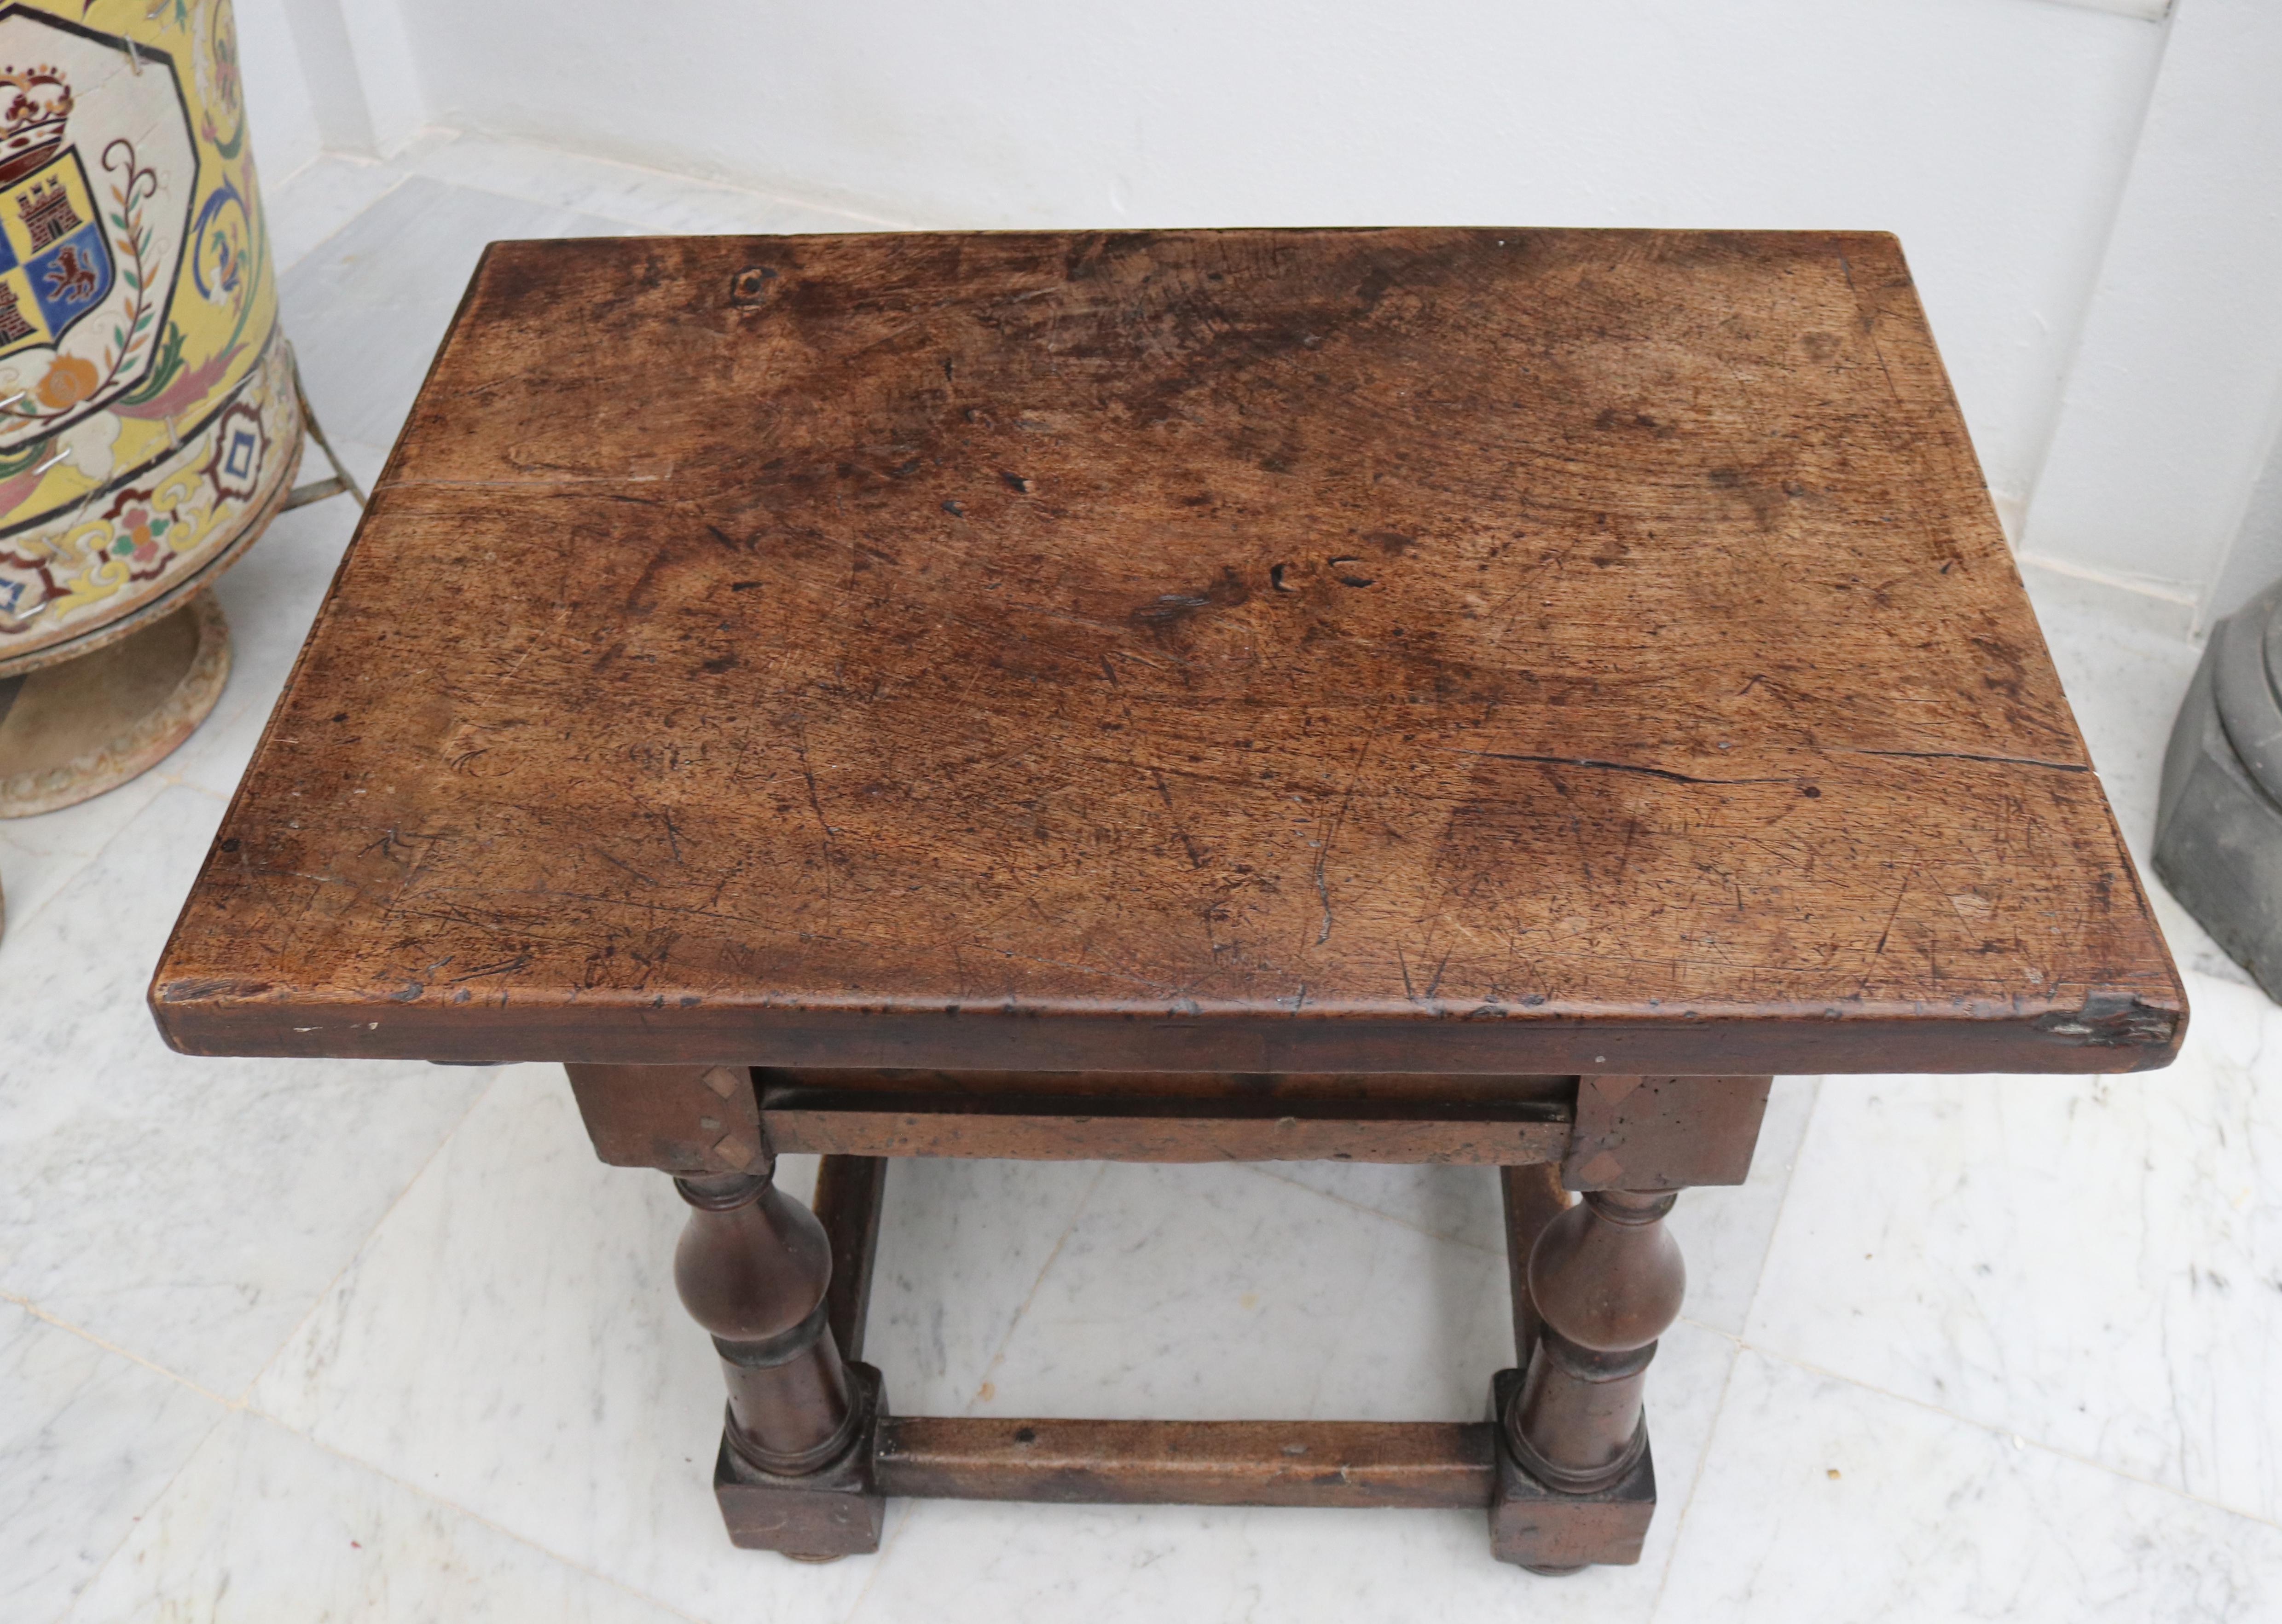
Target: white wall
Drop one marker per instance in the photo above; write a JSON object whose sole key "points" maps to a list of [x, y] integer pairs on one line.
{"points": [[327, 76], [2174, 400], [1992, 135], [2091, 290], [278, 111]]}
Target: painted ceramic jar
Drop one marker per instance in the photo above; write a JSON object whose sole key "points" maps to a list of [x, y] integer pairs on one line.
{"points": [[148, 424]]}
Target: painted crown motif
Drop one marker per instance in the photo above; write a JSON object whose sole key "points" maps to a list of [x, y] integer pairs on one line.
{"points": [[34, 102]]}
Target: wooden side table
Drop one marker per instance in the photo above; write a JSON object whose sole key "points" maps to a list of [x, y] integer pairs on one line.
{"points": [[1411, 696]]}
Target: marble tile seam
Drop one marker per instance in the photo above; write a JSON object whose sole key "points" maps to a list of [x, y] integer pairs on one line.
{"points": [[424, 162], [310, 250], [998, 1354], [1264, 1170], [1695, 1478], [169, 780], [318, 1302], [899, 1517], [1782, 1204], [599, 208], [127, 1535], [147, 787], [223, 1407], [49, 1317], [459, 1510], [2017, 1438]]}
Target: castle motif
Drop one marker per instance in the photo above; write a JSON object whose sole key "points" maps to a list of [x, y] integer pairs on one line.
{"points": [[48, 214], [12, 324], [55, 260]]}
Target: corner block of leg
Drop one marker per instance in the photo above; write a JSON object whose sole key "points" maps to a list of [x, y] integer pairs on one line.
{"points": [[833, 1511], [1549, 1531]]}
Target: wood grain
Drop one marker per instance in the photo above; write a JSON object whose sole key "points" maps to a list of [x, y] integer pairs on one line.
{"points": [[681, 1119], [1530, 1198], [1409, 650], [849, 1191], [1191, 1463], [1033, 1127], [1663, 1132]]}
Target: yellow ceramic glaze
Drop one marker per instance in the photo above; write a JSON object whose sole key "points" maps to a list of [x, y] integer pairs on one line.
{"points": [[147, 422]]}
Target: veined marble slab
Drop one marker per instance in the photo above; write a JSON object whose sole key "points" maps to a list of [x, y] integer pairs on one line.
{"points": [[510, 1340], [1723, 1232], [2094, 1263], [89, 1440], [192, 1211], [1823, 1500], [643, 199], [267, 1527]]}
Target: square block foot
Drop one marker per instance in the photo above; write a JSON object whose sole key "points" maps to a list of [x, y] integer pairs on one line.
{"points": [[1540, 1527], [833, 1512]]}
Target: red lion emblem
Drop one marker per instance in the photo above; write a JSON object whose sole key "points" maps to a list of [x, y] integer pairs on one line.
{"points": [[71, 278]]}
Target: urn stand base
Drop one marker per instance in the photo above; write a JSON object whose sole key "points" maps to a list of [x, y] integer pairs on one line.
{"points": [[71, 731]]}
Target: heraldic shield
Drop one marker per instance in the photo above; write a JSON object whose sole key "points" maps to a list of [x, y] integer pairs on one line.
{"points": [[148, 428], [55, 264]]}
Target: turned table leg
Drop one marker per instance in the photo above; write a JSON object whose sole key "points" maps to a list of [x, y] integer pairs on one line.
{"points": [[795, 1473], [1604, 1279]]}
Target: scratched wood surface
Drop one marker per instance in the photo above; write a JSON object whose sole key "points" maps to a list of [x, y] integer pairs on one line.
{"points": [[1407, 650]]}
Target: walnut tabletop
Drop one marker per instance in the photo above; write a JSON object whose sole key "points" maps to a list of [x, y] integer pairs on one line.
{"points": [[1403, 650]]}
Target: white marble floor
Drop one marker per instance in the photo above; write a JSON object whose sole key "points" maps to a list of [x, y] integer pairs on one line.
{"points": [[289, 1340]]}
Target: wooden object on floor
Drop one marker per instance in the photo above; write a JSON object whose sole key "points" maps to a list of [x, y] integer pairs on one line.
{"points": [[1411, 696], [1523, 650], [70, 731]]}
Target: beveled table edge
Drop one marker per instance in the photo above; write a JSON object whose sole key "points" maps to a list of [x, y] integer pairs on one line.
{"points": [[2102, 1031]]}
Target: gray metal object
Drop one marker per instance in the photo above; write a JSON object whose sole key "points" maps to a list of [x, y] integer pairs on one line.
{"points": [[2218, 828]]}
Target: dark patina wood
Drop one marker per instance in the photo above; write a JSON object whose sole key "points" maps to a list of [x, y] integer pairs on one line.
{"points": [[849, 1191], [1414, 695], [681, 1119], [1551, 1531], [1662, 1133], [1043, 1127], [1667, 1131], [1575, 1484], [753, 1267], [1530, 1198], [1268, 1091], [1195, 1462], [1416, 650], [1606, 1279]]}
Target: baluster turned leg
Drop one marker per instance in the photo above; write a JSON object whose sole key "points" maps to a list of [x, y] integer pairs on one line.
{"points": [[795, 1473], [1606, 1279]]}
